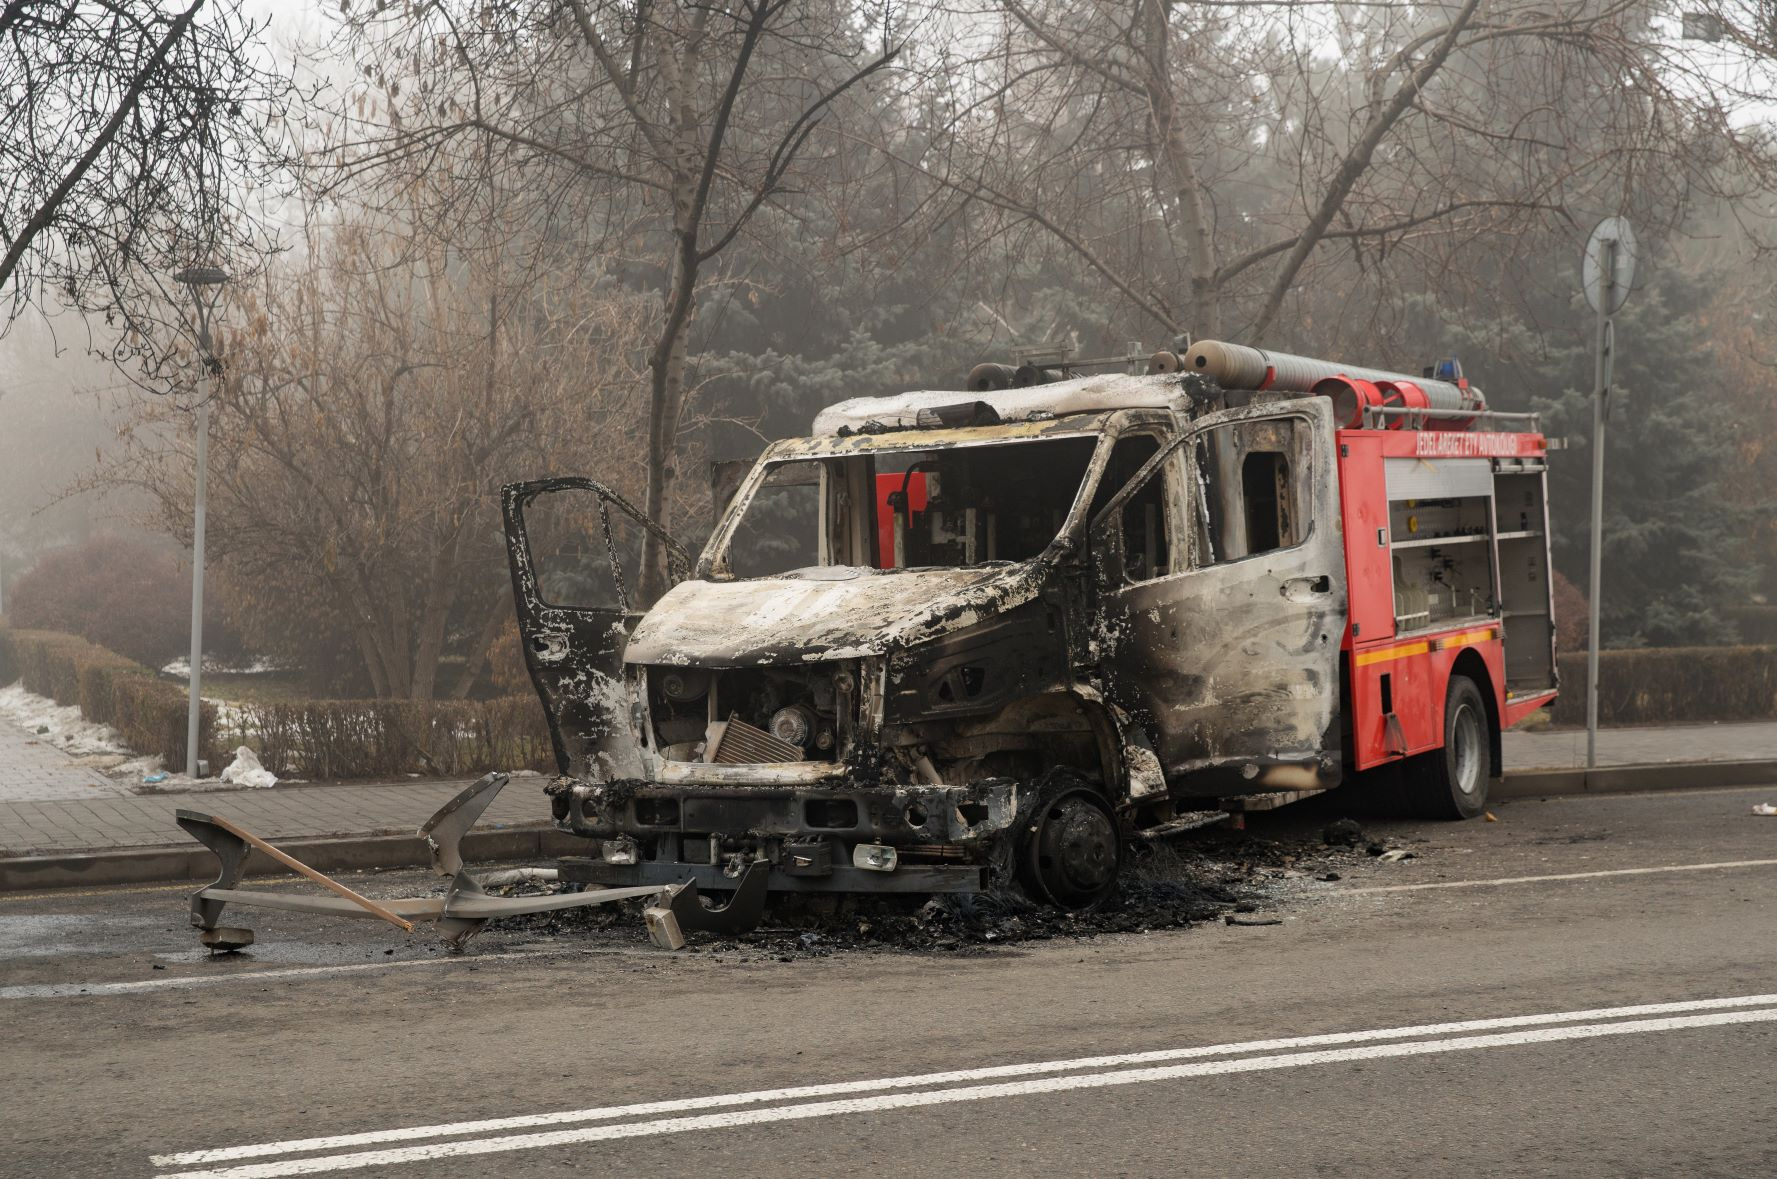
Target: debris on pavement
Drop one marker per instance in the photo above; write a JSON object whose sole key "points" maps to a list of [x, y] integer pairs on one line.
{"points": [[1231, 919], [245, 770], [1395, 855], [1342, 833], [1192, 879], [1764, 808]]}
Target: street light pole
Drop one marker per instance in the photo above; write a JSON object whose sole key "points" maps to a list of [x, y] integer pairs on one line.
{"points": [[206, 287]]}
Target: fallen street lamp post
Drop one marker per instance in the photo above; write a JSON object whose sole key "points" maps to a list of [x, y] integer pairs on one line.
{"points": [[205, 283]]}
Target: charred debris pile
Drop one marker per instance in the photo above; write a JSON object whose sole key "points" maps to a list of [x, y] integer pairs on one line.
{"points": [[1205, 875]]}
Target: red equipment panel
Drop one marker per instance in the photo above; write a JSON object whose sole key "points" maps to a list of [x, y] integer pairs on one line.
{"points": [[887, 485]]}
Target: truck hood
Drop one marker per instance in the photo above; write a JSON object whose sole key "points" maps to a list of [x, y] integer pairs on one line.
{"points": [[821, 614]]}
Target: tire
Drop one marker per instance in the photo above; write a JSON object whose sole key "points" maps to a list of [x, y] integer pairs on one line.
{"points": [[1067, 847], [1451, 783]]}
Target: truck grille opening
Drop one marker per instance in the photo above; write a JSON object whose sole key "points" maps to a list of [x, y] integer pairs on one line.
{"points": [[742, 744], [750, 716]]}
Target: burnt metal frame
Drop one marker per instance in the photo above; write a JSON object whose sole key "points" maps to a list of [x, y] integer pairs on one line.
{"points": [[465, 908]]}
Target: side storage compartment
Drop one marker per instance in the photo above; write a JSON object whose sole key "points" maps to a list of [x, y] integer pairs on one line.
{"points": [[1439, 517], [1526, 592]]}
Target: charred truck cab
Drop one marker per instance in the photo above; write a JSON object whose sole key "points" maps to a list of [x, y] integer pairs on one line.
{"points": [[954, 638]]}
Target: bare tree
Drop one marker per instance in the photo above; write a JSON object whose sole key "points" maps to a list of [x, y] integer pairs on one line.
{"points": [[658, 130], [1203, 159], [137, 137], [378, 392]]}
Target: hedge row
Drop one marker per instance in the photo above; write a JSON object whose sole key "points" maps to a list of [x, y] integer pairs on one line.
{"points": [[387, 738], [304, 739], [1672, 685], [148, 713]]}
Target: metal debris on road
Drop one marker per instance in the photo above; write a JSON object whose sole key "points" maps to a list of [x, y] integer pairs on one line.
{"points": [[465, 906]]}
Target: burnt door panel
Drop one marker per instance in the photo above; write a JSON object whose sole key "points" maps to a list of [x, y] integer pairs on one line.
{"points": [[575, 550], [1223, 638]]}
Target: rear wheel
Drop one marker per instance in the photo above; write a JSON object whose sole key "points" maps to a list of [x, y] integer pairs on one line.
{"points": [[1451, 783]]}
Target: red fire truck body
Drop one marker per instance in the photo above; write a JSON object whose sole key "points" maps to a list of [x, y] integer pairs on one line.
{"points": [[1399, 664]]}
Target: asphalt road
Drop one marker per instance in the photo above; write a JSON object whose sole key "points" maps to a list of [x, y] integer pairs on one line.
{"points": [[1629, 1027]]}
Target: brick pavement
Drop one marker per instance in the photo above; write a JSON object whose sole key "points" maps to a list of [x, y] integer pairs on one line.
{"points": [[283, 812], [35, 770]]}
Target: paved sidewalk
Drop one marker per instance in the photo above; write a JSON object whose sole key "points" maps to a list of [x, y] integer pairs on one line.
{"points": [[1566, 748], [34, 769], [102, 824]]}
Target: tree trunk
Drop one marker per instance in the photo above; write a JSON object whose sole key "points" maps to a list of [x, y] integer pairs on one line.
{"points": [[1175, 153], [476, 657], [666, 363]]}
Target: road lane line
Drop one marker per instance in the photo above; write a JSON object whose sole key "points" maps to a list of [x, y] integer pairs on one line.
{"points": [[1719, 865], [831, 1089], [893, 1101], [83, 990]]}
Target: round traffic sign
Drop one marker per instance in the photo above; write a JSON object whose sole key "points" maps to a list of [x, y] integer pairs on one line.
{"points": [[1592, 271]]}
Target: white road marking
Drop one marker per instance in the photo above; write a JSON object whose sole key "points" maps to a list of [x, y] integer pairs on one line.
{"points": [[76, 990], [892, 1101], [1028, 1068], [1716, 866]]}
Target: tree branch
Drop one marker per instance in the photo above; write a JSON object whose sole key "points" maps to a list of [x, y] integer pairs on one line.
{"points": [[46, 212], [1356, 162]]}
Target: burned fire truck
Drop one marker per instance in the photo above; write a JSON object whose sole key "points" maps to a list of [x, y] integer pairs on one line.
{"points": [[953, 638]]}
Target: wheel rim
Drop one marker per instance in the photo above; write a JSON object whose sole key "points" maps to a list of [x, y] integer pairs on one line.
{"points": [[1465, 741], [1074, 852]]}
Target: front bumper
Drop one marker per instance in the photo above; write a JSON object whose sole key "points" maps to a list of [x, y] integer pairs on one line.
{"points": [[650, 832], [901, 816]]}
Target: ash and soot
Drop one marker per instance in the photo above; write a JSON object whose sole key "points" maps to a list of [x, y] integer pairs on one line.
{"points": [[1206, 875]]}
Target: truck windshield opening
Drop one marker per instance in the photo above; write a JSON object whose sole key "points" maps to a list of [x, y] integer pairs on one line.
{"points": [[945, 508]]}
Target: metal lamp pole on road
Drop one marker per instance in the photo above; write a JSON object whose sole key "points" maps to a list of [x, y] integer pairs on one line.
{"points": [[206, 288]]}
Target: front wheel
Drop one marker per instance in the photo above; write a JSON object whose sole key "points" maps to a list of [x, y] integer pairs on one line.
{"points": [[1069, 850], [1451, 783]]}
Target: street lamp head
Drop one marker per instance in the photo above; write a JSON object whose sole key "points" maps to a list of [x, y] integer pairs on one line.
{"points": [[201, 276]]}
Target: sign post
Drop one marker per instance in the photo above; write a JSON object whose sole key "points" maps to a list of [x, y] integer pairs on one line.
{"points": [[1606, 273]]}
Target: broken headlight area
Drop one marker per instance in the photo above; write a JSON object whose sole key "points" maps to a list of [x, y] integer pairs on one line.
{"points": [[752, 715], [915, 838]]}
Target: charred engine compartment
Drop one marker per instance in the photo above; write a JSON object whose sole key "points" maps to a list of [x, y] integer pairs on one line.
{"points": [[750, 715]]}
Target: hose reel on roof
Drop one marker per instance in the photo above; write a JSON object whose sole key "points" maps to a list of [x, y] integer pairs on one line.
{"points": [[1352, 388]]}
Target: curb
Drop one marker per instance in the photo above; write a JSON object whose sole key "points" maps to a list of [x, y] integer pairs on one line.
{"points": [[156, 865], [1662, 776]]}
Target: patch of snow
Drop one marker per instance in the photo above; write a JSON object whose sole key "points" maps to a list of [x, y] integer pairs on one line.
{"points": [[58, 725], [180, 668], [245, 770]]}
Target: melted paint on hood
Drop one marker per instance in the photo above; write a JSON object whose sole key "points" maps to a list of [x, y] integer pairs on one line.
{"points": [[825, 614]]}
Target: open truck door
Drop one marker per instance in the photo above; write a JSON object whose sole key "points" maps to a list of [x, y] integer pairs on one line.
{"points": [[575, 548], [1219, 570]]}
